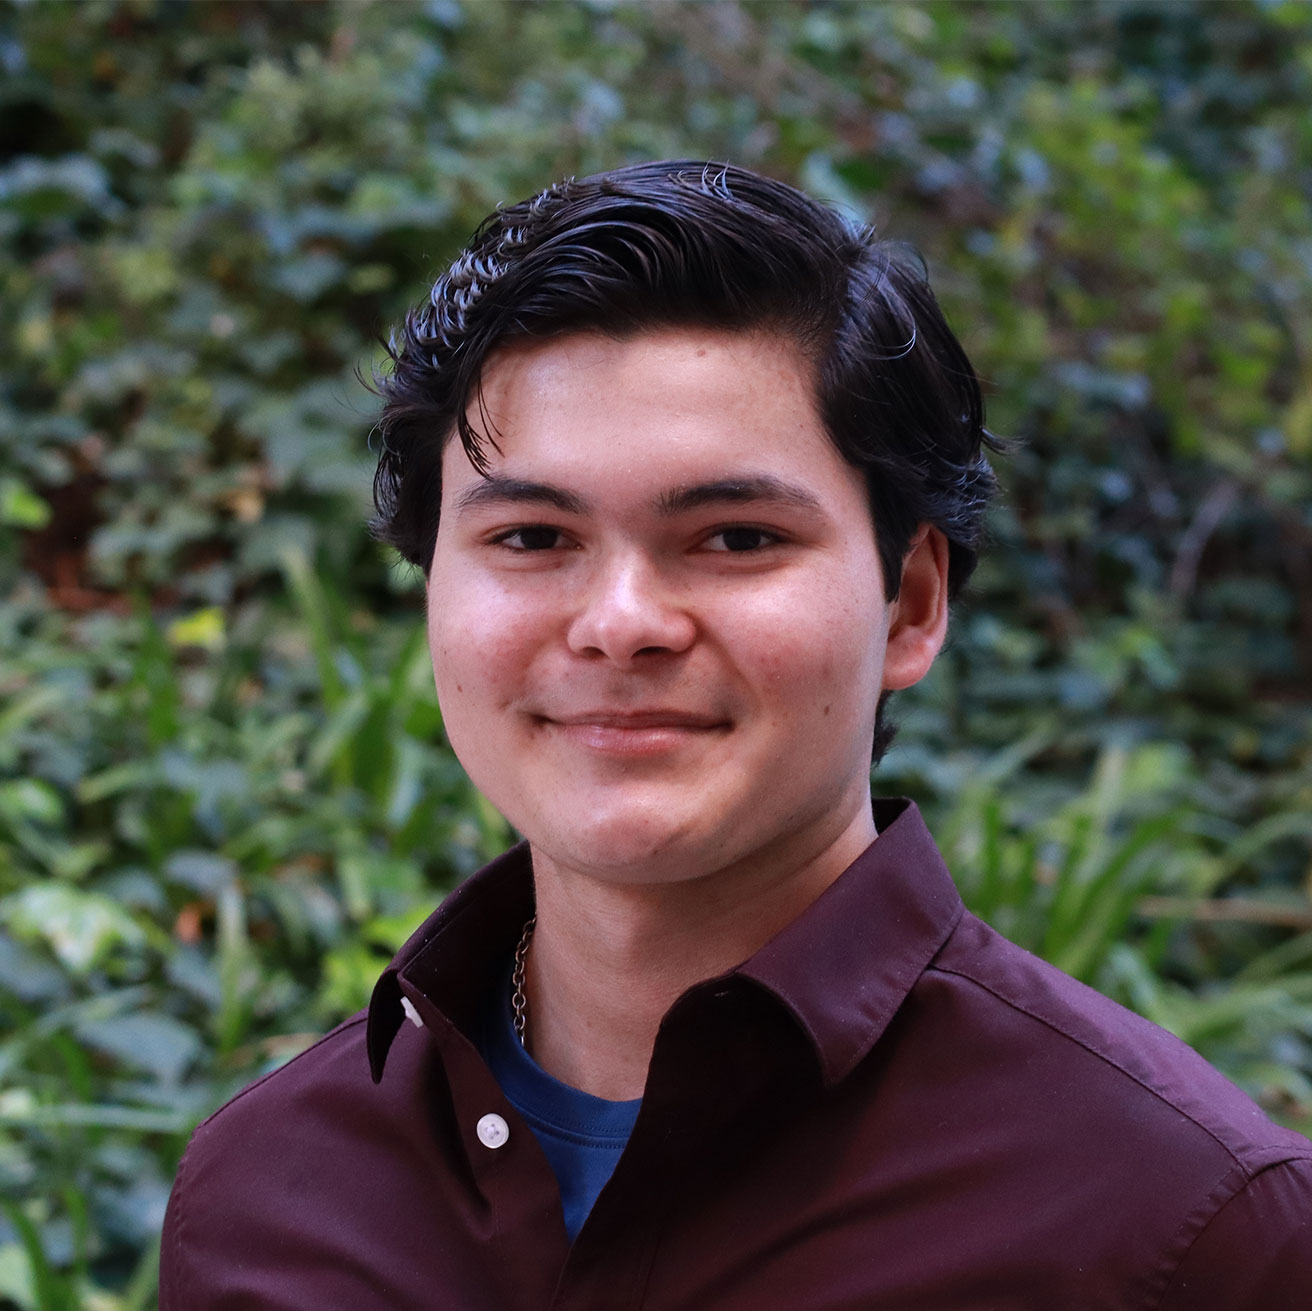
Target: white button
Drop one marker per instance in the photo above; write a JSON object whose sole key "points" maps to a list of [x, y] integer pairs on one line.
{"points": [[493, 1131], [409, 1008]]}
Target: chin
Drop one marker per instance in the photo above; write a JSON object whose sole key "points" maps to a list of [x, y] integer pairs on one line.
{"points": [[628, 847]]}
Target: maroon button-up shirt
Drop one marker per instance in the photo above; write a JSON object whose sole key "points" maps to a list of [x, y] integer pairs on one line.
{"points": [[888, 1106]]}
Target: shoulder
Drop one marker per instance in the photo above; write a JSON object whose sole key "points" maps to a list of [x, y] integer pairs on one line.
{"points": [[260, 1196], [1255, 1249], [1026, 997], [330, 1067], [1134, 1114], [333, 1067], [275, 1125]]}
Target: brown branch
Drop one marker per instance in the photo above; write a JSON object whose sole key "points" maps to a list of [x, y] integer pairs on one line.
{"points": [[1216, 505], [1226, 910]]}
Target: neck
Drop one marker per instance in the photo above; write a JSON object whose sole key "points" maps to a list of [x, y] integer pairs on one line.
{"points": [[608, 958]]}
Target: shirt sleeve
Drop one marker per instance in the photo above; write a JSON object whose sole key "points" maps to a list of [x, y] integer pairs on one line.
{"points": [[1256, 1252]]}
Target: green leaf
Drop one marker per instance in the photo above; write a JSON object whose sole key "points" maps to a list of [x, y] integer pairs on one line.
{"points": [[16, 1282], [82, 928], [29, 799], [158, 1044], [20, 507]]}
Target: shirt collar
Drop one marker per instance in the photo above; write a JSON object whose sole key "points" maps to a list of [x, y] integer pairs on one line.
{"points": [[842, 968], [845, 965], [458, 954]]}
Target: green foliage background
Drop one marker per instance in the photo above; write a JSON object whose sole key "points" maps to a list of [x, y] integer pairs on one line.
{"points": [[224, 794]]}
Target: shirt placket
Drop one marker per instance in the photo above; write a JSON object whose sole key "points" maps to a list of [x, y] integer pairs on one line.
{"points": [[526, 1239], [697, 1088]]}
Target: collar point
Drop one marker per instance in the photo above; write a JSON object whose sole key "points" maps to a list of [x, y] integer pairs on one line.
{"points": [[385, 1018]]}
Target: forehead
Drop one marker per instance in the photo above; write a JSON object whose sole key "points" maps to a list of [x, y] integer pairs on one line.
{"points": [[678, 404]]}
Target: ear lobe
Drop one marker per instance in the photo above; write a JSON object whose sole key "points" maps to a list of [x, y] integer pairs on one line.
{"points": [[918, 619]]}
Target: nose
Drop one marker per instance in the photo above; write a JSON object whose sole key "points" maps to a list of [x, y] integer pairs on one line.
{"points": [[628, 612]]}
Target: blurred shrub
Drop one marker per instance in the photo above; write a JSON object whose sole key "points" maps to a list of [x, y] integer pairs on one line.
{"points": [[224, 791]]}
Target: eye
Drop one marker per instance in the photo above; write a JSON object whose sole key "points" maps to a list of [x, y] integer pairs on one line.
{"points": [[531, 537], [741, 537]]}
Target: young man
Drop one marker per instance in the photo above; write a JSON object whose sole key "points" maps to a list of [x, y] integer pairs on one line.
{"points": [[693, 466]]}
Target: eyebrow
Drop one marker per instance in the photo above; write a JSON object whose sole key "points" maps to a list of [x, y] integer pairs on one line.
{"points": [[754, 489], [494, 489], [750, 489]]}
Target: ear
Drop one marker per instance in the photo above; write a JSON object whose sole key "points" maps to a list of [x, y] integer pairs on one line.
{"points": [[918, 619]]}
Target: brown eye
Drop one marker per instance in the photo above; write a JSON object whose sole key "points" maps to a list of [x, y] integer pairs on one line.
{"points": [[534, 537], [743, 538]]}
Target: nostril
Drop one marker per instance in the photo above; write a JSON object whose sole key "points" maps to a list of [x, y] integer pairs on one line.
{"points": [[631, 616]]}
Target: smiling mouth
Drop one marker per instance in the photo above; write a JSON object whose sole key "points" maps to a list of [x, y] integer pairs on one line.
{"points": [[637, 733], [637, 719]]}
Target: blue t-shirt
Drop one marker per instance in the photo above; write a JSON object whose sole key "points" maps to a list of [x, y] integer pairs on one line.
{"points": [[581, 1135]]}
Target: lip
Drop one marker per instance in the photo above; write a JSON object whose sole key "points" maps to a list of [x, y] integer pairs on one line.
{"points": [[635, 732], [637, 719]]}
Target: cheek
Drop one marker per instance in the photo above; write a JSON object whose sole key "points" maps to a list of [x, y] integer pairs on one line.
{"points": [[482, 643], [451, 640], [809, 651], [830, 673]]}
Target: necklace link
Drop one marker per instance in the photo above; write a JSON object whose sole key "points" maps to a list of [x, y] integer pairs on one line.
{"points": [[518, 1002]]}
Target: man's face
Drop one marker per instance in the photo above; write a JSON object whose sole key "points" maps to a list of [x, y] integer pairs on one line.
{"points": [[658, 628]]}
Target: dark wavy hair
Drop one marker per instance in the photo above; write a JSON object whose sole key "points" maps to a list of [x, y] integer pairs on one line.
{"points": [[683, 243]]}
